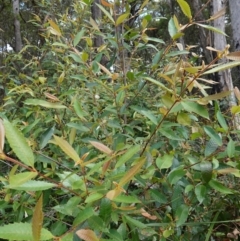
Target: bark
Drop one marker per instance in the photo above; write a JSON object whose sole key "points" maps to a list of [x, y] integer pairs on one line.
{"points": [[220, 43], [17, 26]]}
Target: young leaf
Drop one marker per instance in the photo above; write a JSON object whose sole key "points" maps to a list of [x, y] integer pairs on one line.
{"points": [[101, 147], [37, 220], [181, 214], [55, 27], [165, 161], [87, 235], [78, 37], [68, 149], [185, 8], [18, 144], [234, 56], [22, 231], [213, 135], [121, 18]]}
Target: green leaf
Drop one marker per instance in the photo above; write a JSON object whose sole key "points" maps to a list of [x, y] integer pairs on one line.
{"points": [[126, 199], [211, 146], [78, 37], [200, 192], [164, 161], [96, 223], [172, 28], [21, 178], [85, 214], [46, 136], [231, 148], [206, 171], [220, 187], [175, 175], [181, 214], [106, 13], [134, 222], [121, 18], [211, 28], [157, 40], [44, 103], [222, 121], [32, 185], [146, 113], [128, 155], [158, 83], [158, 196], [213, 135], [93, 197], [79, 110], [105, 209], [196, 108], [22, 231], [222, 67], [18, 144], [185, 8]]}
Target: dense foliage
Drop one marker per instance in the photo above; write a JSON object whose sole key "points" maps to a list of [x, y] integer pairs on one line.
{"points": [[134, 150]]}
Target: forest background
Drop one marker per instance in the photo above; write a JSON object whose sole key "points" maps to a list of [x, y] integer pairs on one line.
{"points": [[119, 120]]}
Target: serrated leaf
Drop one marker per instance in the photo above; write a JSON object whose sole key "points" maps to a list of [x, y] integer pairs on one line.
{"points": [[68, 149], [181, 214], [164, 161], [106, 13], [222, 67], [128, 155], [44, 103], [196, 108], [78, 37], [83, 215], [200, 192], [220, 187], [121, 18], [134, 222], [185, 8], [87, 235], [101, 147], [32, 185], [22, 231], [158, 196], [21, 178], [105, 209], [213, 135], [18, 144], [222, 121], [211, 146], [37, 220]]}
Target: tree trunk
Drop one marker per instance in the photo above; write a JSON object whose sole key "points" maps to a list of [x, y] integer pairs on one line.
{"points": [[17, 26], [220, 43]]}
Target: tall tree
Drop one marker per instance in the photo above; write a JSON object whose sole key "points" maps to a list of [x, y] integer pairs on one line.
{"points": [[17, 26]]}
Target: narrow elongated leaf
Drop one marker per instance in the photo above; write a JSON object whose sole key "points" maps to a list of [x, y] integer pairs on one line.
{"points": [[231, 148], [222, 121], [158, 83], [55, 27], [84, 215], [121, 18], [132, 172], [222, 67], [87, 235], [93, 197], [213, 135], [79, 110], [106, 13], [78, 37], [172, 28], [68, 149], [185, 8], [126, 199], [101, 147], [209, 27], [37, 220], [220, 187], [22, 231], [165, 161], [44, 103], [196, 108], [46, 136], [2, 136], [134, 222], [32, 185], [234, 56], [216, 96], [181, 214], [20, 178], [18, 144]]}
